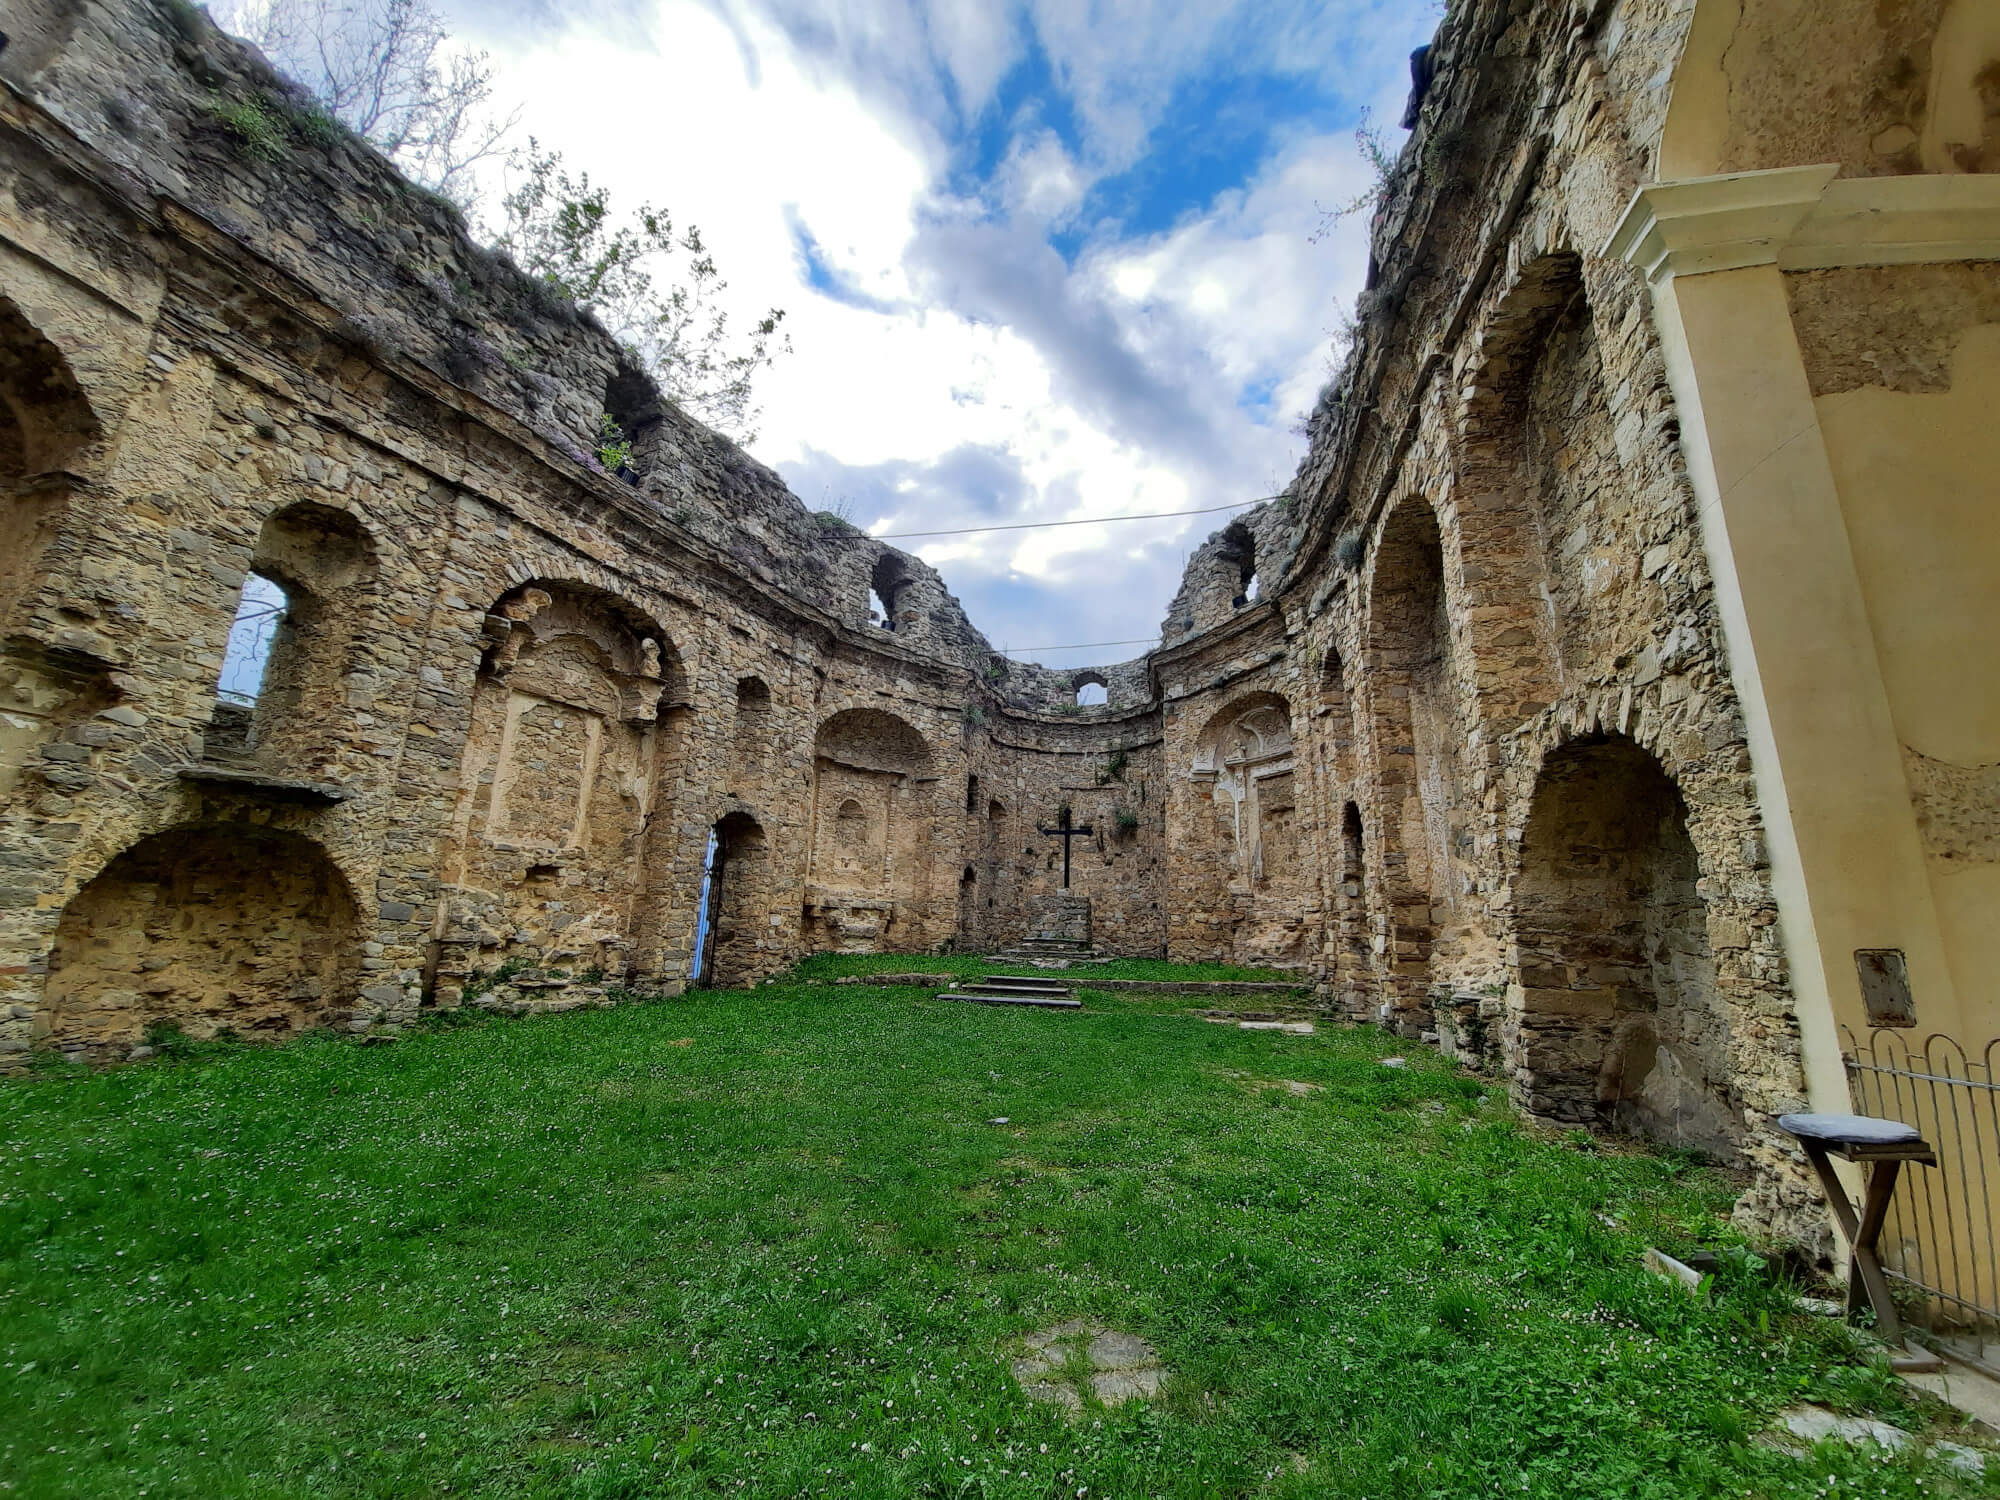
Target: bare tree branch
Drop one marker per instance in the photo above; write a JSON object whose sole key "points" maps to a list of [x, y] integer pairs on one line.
{"points": [[386, 69]]}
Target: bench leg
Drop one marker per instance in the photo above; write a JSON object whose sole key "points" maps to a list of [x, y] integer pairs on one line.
{"points": [[1865, 1280], [1865, 1266]]}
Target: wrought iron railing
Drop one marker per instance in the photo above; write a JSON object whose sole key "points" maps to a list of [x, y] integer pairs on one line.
{"points": [[1944, 1221]]}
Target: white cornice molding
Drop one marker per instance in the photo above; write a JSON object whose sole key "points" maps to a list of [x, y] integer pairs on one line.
{"points": [[1899, 221], [1807, 218], [1703, 224]]}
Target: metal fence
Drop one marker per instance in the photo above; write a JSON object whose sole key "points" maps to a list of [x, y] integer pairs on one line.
{"points": [[1941, 1231]]}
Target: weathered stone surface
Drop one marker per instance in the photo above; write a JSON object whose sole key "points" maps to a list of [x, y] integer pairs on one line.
{"points": [[1117, 1366]]}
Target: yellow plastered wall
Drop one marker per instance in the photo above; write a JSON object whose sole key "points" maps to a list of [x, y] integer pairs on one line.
{"points": [[1918, 475]]}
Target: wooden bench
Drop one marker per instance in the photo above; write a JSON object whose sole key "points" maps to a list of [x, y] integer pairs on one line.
{"points": [[1882, 1146]]}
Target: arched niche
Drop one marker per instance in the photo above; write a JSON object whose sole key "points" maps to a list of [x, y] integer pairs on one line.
{"points": [[563, 820], [1243, 756], [873, 804], [1532, 442], [46, 426], [1245, 836], [205, 927], [1621, 1022], [751, 737], [1333, 722], [1414, 720]]}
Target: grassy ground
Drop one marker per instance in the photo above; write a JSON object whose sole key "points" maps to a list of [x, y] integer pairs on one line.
{"points": [[770, 1242]]}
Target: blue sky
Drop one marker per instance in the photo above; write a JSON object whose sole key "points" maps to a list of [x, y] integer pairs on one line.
{"points": [[1040, 260]]}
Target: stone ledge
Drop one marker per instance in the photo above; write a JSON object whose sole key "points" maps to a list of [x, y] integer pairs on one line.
{"points": [[259, 783]]}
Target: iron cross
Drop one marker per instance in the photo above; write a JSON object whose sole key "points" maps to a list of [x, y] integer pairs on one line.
{"points": [[1066, 833]]}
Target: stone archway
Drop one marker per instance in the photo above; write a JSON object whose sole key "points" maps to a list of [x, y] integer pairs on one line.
{"points": [[1620, 1022], [1414, 703], [735, 900], [208, 927]]}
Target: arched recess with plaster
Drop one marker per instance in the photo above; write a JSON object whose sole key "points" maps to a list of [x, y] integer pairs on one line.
{"points": [[1882, 90], [1620, 1020], [205, 927], [874, 795], [568, 756], [1412, 688], [1246, 857]]}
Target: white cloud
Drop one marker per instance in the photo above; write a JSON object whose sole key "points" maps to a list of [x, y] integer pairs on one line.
{"points": [[971, 372]]}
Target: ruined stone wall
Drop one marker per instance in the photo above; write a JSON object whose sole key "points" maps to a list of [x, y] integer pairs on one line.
{"points": [[1106, 767], [511, 695], [1498, 571]]}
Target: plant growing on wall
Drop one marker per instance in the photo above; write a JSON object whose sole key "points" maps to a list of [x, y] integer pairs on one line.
{"points": [[654, 288], [614, 449], [1127, 821], [252, 128], [1113, 769]]}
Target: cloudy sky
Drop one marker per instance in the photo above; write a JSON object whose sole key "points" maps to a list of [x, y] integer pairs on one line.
{"points": [[1040, 259]]}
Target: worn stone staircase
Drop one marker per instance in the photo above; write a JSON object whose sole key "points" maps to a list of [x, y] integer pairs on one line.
{"points": [[1012, 989]]}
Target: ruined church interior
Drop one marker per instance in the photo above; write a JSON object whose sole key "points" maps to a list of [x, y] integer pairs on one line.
{"points": [[1609, 702]]}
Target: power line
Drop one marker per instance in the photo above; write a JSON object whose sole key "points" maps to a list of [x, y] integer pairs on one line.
{"points": [[1080, 646], [1157, 515]]}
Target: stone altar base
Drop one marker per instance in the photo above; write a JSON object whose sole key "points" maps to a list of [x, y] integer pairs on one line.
{"points": [[1061, 929]]}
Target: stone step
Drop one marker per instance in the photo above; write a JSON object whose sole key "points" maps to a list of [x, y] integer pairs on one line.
{"points": [[1058, 992], [1036, 1002], [1023, 982]]}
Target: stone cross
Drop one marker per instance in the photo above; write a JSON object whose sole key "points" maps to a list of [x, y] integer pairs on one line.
{"points": [[1067, 833]]}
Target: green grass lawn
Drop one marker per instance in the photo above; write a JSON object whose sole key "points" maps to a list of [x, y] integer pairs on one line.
{"points": [[769, 1243]]}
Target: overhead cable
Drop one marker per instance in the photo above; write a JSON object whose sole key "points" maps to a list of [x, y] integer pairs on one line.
{"points": [[1079, 646], [1157, 515]]}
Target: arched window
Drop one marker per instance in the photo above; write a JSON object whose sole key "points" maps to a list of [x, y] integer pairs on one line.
{"points": [[283, 690], [972, 794], [263, 616], [1091, 691], [261, 611]]}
